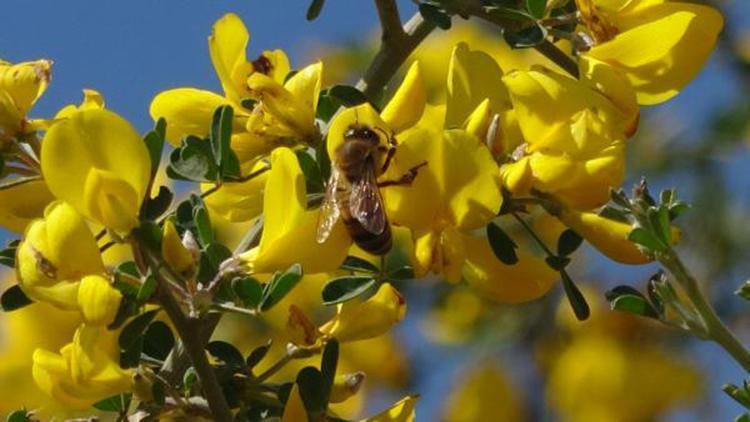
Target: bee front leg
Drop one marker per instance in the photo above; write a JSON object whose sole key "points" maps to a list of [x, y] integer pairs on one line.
{"points": [[406, 179]]}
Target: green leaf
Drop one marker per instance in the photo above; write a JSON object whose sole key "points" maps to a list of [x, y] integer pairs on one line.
{"points": [[155, 144], [654, 291], [133, 331], [189, 378], [14, 298], [193, 160], [435, 15], [313, 178], [347, 95], [226, 353], [147, 289], [327, 106], [280, 286], [19, 416], [345, 288], [153, 208], [324, 162], [117, 403], [744, 291], [568, 242], [575, 297], [557, 263], [258, 354], [502, 245], [158, 340], [508, 11], [149, 234], [740, 394], [628, 299], [221, 133], [527, 37], [8, 254], [405, 272], [616, 214], [328, 363], [646, 239], [311, 390], [249, 290], [203, 226], [314, 9], [354, 263], [536, 8]]}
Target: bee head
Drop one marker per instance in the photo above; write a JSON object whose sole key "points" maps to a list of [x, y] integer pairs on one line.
{"points": [[364, 133]]}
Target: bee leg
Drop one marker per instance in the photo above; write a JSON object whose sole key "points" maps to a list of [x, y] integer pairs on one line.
{"points": [[406, 179], [390, 153]]}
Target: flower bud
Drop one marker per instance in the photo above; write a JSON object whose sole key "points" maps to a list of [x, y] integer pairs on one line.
{"points": [[175, 254], [608, 236], [345, 386]]}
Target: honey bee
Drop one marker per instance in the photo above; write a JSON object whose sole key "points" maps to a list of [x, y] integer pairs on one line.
{"points": [[353, 194]]}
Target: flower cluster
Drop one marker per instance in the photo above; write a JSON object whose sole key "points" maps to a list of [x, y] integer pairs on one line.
{"points": [[473, 185]]}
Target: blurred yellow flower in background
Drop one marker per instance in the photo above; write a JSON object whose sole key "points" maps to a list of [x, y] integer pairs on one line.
{"points": [[484, 393]]}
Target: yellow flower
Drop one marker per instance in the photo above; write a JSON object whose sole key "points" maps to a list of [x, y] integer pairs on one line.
{"points": [[484, 393], [175, 254], [598, 377], [188, 111], [96, 161], [289, 228], [92, 100], [85, 371], [659, 45], [574, 138], [357, 320], [56, 252], [285, 113], [21, 85]]}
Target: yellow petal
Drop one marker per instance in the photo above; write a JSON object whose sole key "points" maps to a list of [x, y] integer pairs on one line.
{"points": [[99, 152], [482, 394], [23, 203], [111, 201], [242, 201], [458, 186], [666, 50], [614, 84], [356, 320], [407, 105], [345, 386], [289, 229], [98, 300], [227, 46], [92, 100], [610, 237], [278, 65], [305, 85], [401, 411], [188, 111], [473, 76], [523, 281]]}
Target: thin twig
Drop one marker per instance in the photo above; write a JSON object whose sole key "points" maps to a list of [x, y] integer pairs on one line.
{"points": [[390, 21], [392, 55]]}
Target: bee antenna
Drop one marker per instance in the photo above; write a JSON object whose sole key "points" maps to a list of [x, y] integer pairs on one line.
{"points": [[389, 137]]}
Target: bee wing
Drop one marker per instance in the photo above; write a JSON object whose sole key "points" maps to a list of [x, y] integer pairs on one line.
{"points": [[329, 211], [366, 204]]}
